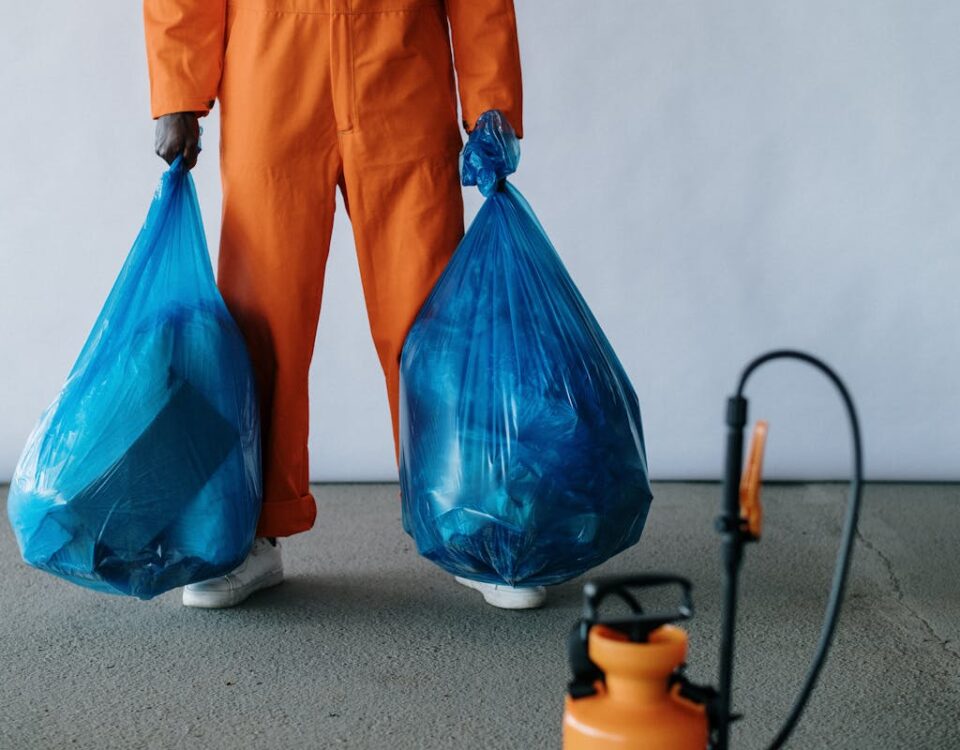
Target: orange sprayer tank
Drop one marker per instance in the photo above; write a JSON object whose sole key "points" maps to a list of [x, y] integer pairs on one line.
{"points": [[636, 708]]}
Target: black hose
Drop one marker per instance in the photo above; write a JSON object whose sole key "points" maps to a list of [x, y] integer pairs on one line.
{"points": [[842, 567]]}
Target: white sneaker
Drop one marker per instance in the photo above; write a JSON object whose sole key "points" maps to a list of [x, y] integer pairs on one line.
{"points": [[507, 597], [262, 568]]}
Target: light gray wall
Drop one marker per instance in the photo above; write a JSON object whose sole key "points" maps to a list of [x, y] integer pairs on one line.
{"points": [[720, 177]]}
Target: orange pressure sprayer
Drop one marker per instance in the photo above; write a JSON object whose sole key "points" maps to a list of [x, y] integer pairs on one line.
{"points": [[629, 690]]}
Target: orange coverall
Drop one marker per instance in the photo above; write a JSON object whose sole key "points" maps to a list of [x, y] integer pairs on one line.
{"points": [[315, 94]]}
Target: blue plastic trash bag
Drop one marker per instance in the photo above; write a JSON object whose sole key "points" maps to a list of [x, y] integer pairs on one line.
{"points": [[144, 473], [522, 458]]}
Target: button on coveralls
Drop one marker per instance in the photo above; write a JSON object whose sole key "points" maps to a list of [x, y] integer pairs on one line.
{"points": [[315, 94]]}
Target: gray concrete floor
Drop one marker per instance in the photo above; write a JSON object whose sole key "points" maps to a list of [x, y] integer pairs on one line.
{"points": [[367, 645]]}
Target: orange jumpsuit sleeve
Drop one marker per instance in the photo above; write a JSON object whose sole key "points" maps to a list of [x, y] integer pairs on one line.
{"points": [[487, 59], [185, 45]]}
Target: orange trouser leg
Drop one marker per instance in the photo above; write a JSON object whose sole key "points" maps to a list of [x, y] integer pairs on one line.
{"points": [[280, 165], [407, 221], [395, 105]]}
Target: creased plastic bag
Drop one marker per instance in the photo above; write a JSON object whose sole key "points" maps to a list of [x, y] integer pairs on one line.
{"points": [[144, 473], [522, 458]]}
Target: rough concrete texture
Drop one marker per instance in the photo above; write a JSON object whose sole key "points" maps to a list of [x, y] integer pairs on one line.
{"points": [[367, 645]]}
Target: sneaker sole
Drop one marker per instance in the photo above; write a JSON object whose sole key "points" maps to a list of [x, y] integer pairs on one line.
{"points": [[225, 599], [519, 599]]}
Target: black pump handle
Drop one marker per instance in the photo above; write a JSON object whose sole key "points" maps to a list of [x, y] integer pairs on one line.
{"points": [[639, 625]]}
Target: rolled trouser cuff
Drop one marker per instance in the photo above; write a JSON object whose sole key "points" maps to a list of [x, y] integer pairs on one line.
{"points": [[287, 517]]}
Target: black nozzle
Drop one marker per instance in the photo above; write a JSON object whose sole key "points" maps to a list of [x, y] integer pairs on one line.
{"points": [[736, 412]]}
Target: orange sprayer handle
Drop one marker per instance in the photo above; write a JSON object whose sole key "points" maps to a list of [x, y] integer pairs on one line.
{"points": [[751, 511]]}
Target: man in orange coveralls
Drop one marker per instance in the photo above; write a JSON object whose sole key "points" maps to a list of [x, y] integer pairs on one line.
{"points": [[316, 94]]}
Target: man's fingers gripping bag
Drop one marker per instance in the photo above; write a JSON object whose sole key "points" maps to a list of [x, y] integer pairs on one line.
{"points": [[522, 458], [144, 473]]}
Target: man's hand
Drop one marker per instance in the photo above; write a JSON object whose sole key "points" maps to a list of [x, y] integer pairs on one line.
{"points": [[178, 133]]}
